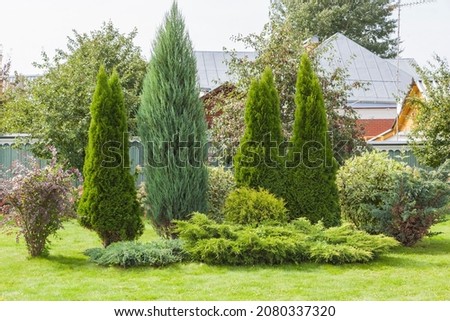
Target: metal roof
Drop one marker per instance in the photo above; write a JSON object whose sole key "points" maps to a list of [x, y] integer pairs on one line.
{"points": [[212, 68], [378, 76]]}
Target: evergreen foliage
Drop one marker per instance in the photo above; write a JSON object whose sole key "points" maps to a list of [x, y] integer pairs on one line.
{"points": [[130, 254], [299, 241], [108, 204], [252, 207], [257, 162], [172, 126], [311, 165]]}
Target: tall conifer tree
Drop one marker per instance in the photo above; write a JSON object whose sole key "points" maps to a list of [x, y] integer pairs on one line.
{"points": [[109, 205], [172, 127], [312, 167], [257, 161]]}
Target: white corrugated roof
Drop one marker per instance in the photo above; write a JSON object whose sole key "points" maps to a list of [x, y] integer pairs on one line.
{"points": [[378, 75], [212, 68]]}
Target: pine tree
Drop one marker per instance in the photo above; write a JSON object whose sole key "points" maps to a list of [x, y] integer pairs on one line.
{"points": [[172, 127], [311, 165], [257, 161], [109, 205]]}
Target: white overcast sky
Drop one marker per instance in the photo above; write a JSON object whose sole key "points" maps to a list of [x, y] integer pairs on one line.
{"points": [[27, 27]]}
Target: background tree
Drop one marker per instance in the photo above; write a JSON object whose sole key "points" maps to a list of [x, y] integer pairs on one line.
{"points": [[369, 23], [172, 126], [4, 73], [109, 205], [279, 46], [60, 99], [431, 132], [17, 108], [257, 162], [312, 167], [227, 125]]}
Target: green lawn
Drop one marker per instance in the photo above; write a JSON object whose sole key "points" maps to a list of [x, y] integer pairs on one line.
{"points": [[418, 273]]}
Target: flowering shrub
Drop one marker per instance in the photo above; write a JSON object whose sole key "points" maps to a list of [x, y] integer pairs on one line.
{"points": [[37, 200]]}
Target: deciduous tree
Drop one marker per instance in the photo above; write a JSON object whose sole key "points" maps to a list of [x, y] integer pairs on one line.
{"points": [[59, 100], [369, 23], [431, 132]]}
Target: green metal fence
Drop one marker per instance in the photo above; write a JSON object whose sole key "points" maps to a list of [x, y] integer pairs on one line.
{"points": [[9, 153], [405, 156]]}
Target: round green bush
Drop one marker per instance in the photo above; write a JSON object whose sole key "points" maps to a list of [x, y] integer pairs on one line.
{"points": [[220, 184], [381, 195], [363, 181], [251, 207]]}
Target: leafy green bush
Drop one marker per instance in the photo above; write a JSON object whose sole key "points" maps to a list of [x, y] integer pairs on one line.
{"points": [[365, 180], [235, 244], [128, 253], [220, 184], [248, 206], [381, 195]]}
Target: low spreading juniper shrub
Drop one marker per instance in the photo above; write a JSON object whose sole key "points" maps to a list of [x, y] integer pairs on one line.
{"points": [[299, 241], [131, 254]]}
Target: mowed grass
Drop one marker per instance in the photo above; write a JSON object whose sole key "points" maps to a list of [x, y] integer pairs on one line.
{"points": [[418, 273]]}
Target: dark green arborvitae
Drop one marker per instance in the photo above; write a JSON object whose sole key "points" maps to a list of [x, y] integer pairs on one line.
{"points": [[108, 205], [172, 127], [311, 166], [257, 161]]}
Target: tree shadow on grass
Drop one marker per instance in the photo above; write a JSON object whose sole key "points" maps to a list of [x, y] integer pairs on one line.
{"points": [[68, 260]]}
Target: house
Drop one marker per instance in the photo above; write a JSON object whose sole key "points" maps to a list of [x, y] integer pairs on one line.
{"points": [[384, 82], [395, 140]]}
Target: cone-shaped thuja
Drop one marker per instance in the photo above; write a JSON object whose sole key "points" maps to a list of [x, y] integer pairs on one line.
{"points": [[257, 162], [172, 127], [108, 204], [311, 164]]}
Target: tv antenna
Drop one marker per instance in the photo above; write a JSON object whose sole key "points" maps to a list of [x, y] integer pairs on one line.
{"points": [[399, 5]]}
